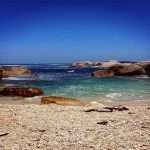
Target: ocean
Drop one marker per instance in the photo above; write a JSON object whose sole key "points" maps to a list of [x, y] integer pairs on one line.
{"points": [[62, 80]]}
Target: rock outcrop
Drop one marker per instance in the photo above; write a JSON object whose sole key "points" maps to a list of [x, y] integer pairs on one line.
{"points": [[103, 73], [82, 64], [15, 71], [19, 91], [110, 63], [60, 101], [97, 64], [127, 69]]}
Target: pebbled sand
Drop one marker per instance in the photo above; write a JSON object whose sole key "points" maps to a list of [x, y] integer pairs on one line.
{"points": [[54, 127]]}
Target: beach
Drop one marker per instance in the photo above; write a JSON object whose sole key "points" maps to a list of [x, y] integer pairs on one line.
{"points": [[58, 107], [74, 75], [26, 126]]}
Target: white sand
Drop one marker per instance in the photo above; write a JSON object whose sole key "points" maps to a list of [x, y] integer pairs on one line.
{"points": [[54, 127]]}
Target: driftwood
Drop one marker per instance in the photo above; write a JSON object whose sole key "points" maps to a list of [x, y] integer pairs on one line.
{"points": [[96, 110], [108, 109], [3, 134], [104, 122]]}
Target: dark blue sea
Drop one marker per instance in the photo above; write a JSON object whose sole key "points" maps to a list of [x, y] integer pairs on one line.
{"points": [[62, 80]]}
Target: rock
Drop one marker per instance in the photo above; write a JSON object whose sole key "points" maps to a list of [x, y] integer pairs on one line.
{"points": [[146, 66], [15, 71], [103, 73], [143, 64], [83, 64], [147, 70], [60, 101], [110, 63], [19, 91], [127, 69]]}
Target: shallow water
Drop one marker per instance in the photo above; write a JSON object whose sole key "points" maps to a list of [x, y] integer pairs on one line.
{"points": [[61, 80]]}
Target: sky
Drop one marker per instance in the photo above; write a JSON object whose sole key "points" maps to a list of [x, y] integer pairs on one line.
{"points": [[44, 31]]}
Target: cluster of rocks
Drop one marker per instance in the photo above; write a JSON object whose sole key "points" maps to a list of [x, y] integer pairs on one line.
{"points": [[7, 71], [15, 71], [119, 68], [21, 91]]}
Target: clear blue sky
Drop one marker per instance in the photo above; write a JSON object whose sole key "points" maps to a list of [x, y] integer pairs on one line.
{"points": [[41, 31]]}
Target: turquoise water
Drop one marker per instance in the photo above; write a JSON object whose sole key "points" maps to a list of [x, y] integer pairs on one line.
{"points": [[61, 80], [102, 88]]}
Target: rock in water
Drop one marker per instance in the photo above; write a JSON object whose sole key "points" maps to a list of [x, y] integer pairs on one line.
{"points": [[127, 69], [103, 73], [15, 71], [60, 101], [18, 91], [83, 64]]}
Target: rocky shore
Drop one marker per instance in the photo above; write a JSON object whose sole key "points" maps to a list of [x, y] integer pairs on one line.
{"points": [[12, 71], [90, 127], [116, 68]]}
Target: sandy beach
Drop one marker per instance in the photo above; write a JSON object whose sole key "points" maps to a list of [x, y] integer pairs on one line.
{"points": [[26, 126]]}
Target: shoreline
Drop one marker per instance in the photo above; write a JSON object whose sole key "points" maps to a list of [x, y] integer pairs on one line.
{"points": [[15, 100]]}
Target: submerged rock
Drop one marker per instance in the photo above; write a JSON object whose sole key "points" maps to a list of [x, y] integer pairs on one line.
{"points": [[15, 71], [103, 73], [19, 91], [60, 101]]}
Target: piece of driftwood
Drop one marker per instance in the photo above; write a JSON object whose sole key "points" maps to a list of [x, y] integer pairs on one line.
{"points": [[104, 122], [116, 108], [3, 134], [108, 109], [97, 110]]}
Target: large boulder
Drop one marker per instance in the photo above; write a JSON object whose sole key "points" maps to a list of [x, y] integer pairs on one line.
{"points": [[19, 91], [60, 101], [103, 73], [127, 69], [82, 64], [144, 64], [15, 71], [110, 63]]}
